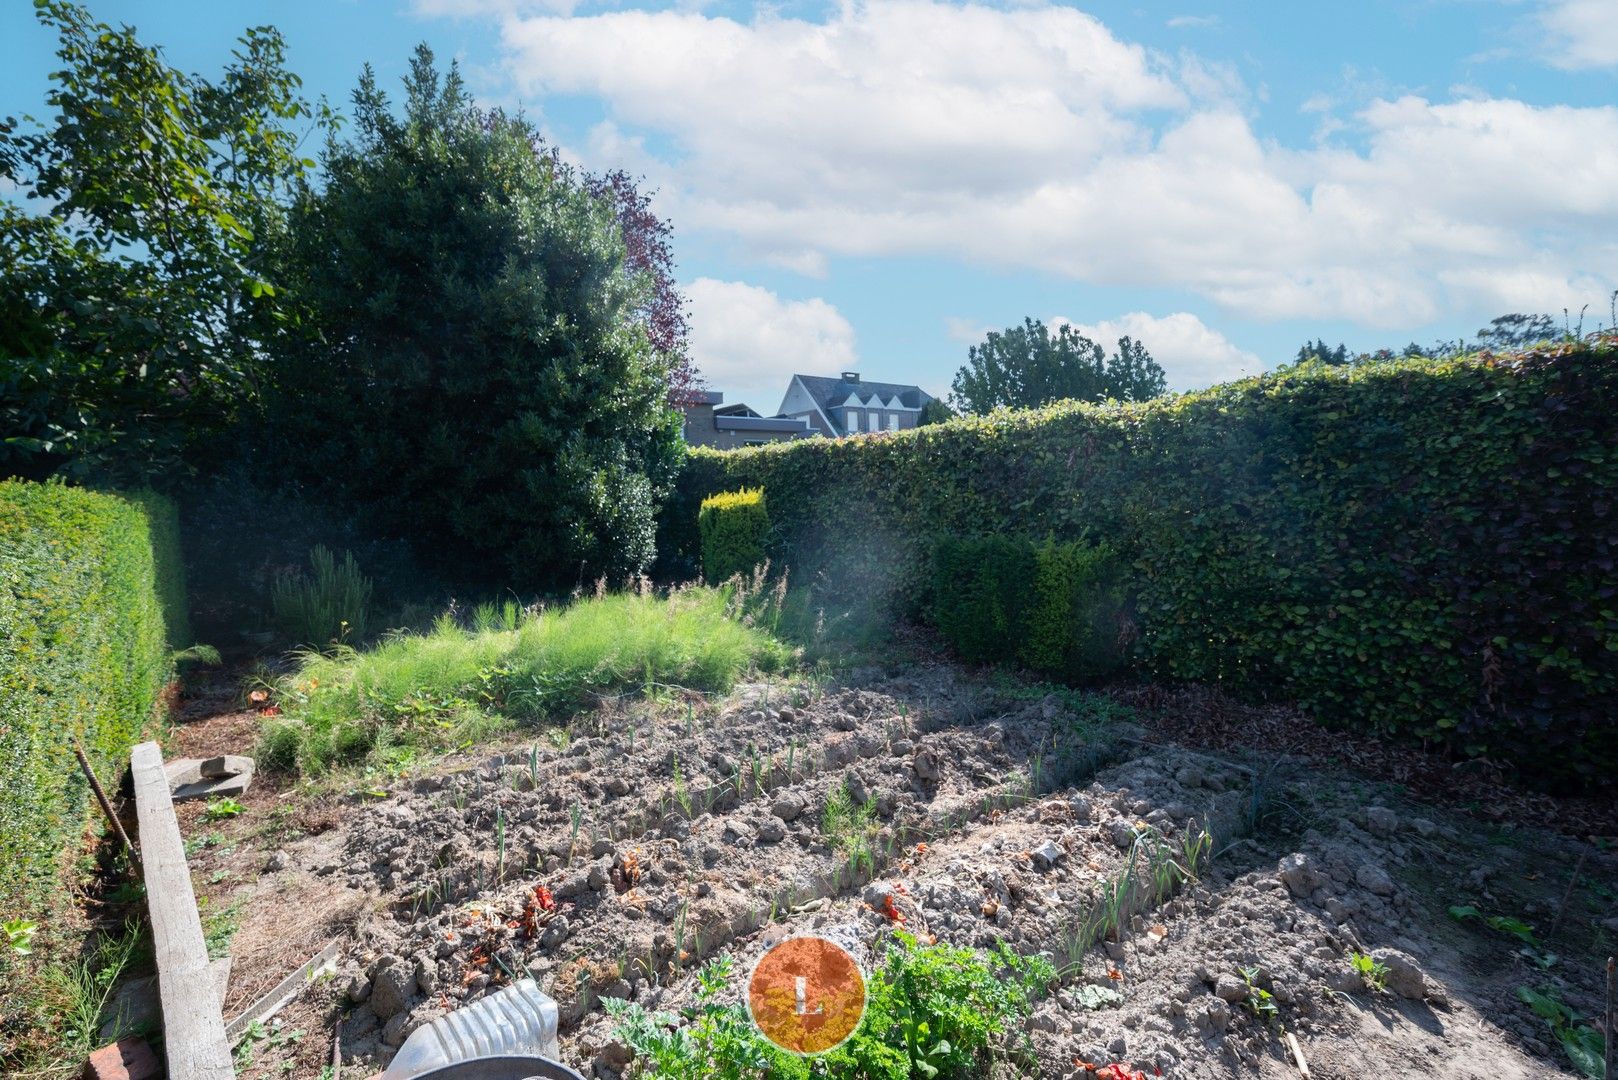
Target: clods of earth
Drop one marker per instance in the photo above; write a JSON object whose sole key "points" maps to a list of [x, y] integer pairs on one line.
{"points": [[1202, 906]]}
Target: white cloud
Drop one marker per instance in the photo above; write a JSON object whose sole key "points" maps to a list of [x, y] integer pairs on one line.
{"points": [[1032, 137], [966, 331], [1192, 22], [1192, 354], [1580, 34], [747, 342]]}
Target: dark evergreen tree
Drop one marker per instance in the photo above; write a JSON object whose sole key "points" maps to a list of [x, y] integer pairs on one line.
{"points": [[474, 367]]}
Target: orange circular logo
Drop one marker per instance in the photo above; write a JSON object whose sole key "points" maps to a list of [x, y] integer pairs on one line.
{"points": [[806, 995]]}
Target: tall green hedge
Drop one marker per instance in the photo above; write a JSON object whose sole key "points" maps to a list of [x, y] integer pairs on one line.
{"points": [[1420, 548], [91, 598]]}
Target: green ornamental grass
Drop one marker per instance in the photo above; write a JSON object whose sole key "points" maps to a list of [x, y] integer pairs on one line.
{"points": [[452, 687]]}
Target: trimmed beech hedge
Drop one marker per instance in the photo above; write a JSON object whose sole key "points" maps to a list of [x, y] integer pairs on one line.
{"points": [[91, 596], [1419, 548]]}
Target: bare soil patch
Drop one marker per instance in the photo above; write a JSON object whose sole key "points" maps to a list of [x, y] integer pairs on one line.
{"points": [[613, 859]]}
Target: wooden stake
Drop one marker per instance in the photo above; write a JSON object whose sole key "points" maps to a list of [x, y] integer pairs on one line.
{"points": [[1561, 909], [106, 806], [1612, 1036], [1297, 1052]]}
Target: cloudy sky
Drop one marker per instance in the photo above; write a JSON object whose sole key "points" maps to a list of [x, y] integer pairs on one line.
{"points": [[875, 184]]}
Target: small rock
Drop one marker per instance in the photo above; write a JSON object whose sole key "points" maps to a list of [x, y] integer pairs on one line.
{"points": [[1046, 854], [1048, 1017], [1299, 874], [771, 831], [597, 879], [276, 862], [1381, 821], [788, 806], [601, 847], [394, 1031], [616, 786], [555, 933], [1121, 832], [1081, 808], [1214, 1014], [925, 764], [391, 988], [1423, 827], [1404, 977], [901, 747], [877, 895], [1230, 988], [1189, 776], [426, 974], [858, 792], [1345, 981], [1373, 878]]}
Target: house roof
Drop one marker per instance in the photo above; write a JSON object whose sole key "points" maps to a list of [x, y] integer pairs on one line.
{"points": [[830, 393]]}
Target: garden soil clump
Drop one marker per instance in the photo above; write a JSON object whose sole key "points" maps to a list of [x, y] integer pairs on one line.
{"points": [[1200, 906]]}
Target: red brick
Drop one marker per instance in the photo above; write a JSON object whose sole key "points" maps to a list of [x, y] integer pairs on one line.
{"points": [[127, 1059]]}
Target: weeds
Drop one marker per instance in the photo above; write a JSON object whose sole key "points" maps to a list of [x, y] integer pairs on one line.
{"points": [[218, 927], [1371, 971], [1584, 1045], [1505, 924], [74, 996], [575, 817], [499, 844], [451, 686], [850, 827], [329, 603], [1260, 1002], [19, 935], [219, 809], [931, 1011]]}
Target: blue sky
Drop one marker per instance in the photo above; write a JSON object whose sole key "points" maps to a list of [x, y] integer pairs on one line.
{"points": [[875, 184]]}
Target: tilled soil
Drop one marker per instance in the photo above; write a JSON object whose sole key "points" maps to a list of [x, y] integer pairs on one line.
{"points": [[663, 834]]}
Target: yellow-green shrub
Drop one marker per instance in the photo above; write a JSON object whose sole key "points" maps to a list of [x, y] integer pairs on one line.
{"points": [[91, 598], [735, 527]]}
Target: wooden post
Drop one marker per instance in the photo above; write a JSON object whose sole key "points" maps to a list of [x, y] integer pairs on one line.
{"points": [[193, 1024]]}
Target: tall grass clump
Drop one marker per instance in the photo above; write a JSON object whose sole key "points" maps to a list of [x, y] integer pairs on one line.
{"points": [[454, 686], [329, 602]]}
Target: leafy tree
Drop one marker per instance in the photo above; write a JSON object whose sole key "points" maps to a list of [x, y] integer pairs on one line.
{"points": [[936, 411], [477, 369], [647, 251], [137, 291], [1517, 331], [1027, 366]]}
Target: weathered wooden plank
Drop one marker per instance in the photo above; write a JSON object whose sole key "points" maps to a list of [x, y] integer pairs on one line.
{"points": [[135, 1007], [193, 1024], [287, 989]]}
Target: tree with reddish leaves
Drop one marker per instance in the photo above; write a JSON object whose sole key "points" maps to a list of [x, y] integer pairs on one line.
{"points": [[647, 250]]}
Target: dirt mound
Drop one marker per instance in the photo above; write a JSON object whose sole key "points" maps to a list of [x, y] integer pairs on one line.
{"points": [[1200, 906]]}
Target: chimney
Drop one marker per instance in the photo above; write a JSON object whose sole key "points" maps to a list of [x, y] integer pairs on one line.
{"points": [[851, 376]]}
